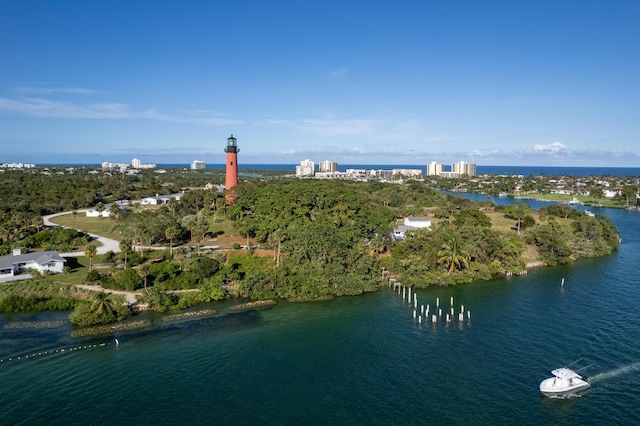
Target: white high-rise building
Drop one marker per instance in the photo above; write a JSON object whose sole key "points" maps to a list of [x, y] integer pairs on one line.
{"points": [[306, 168], [137, 164], [198, 165], [328, 166], [434, 169], [464, 168]]}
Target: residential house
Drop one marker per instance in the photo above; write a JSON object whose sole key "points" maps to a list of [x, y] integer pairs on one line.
{"points": [[41, 261], [160, 199], [410, 223], [92, 212]]}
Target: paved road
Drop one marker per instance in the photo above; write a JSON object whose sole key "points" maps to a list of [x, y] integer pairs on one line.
{"points": [[107, 244]]}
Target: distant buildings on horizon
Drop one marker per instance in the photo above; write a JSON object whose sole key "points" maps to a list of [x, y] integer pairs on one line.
{"points": [[457, 169], [329, 170], [198, 165], [135, 164], [17, 166]]}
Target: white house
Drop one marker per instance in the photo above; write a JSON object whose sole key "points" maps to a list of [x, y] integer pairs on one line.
{"points": [[399, 231], [160, 199], [610, 193], [417, 221], [410, 223], [92, 212], [42, 261]]}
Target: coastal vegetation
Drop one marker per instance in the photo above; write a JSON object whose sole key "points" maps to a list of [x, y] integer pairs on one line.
{"points": [[300, 239]]}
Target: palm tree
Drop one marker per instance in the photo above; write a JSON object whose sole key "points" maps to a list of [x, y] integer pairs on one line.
{"points": [[172, 205], [90, 250], [276, 238], [103, 304], [452, 254], [100, 208], [181, 255], [518, 211], [125, 247], [116, 210], [143, 271], [596, 193], [189, 222], [377, 244], [171, 233], [141, 231]]}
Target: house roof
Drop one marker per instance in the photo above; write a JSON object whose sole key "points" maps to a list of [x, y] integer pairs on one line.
{"points": [[418, 219], [40, 258]]}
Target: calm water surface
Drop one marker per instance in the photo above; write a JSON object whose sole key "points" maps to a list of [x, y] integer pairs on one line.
{"points": [[354, 360]]}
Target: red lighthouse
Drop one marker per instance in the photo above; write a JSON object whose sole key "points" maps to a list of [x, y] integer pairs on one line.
{"points": [[232, 163]]}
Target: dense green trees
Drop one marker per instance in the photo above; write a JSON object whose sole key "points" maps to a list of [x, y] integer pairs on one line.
{"points": [[320, 228], [103, 308], [322, 239], [583, 237], [27, 195]]}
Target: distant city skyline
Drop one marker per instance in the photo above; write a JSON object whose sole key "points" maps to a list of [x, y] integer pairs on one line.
{"points": [[542, 83]]}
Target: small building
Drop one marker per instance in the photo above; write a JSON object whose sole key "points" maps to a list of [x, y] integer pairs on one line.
{"points": [[399, 231], [160, 199], [107, 212], [417, 221], [92, 212], [47, 261], [411, 223]]}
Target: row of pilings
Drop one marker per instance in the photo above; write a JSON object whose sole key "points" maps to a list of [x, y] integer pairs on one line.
{"points": [[424, 313]]}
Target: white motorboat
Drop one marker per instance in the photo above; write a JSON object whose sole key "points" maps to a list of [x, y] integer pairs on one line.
{"points": [[563, 383]]}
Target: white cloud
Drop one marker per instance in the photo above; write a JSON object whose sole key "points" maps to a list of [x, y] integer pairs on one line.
{"points": [[328, 126], [51, 90], [55, 109], [552, 148], [45, 108]]}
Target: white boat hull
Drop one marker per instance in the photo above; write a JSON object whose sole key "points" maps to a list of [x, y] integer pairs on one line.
{"points": [[557, 387]]}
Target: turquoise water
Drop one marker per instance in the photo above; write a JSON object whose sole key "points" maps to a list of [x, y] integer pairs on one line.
{"points": [[354, 360]]}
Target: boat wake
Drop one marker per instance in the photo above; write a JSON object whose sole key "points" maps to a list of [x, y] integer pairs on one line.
{"points": [[615, 373]]}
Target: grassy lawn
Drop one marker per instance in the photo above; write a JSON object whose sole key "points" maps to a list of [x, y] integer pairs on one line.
{"points": [[93, 225], [221, 227], [585, 199]]}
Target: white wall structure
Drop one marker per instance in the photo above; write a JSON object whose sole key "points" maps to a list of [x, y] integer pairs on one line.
{"points": [[417, 221], [306, 168]]}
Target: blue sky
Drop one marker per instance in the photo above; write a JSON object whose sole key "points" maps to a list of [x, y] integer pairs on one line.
{"points": [[530, 83]]}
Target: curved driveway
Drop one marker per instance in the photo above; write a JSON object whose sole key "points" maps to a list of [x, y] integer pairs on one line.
{"points": [[107, 244]]}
